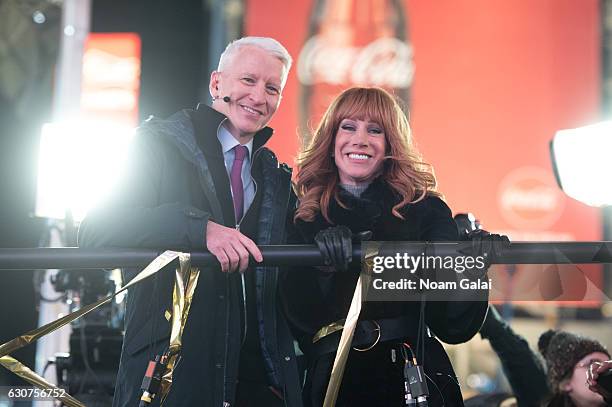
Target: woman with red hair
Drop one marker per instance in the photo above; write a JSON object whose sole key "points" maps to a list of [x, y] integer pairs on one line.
{"points": [[361, 173]]}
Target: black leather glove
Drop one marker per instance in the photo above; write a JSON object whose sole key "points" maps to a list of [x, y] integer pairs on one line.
{"points": [[490, 245], [336, 246]]}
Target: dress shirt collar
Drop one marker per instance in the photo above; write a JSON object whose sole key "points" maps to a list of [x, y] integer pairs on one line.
{"points": [[228, 141]]}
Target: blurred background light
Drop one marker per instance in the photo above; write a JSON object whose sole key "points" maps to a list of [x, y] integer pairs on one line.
{"points": [[582, 163], [39, 17], [78, 164]]}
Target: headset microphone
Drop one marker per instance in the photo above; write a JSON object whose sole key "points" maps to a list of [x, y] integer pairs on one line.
{"points": [[226, 99]]}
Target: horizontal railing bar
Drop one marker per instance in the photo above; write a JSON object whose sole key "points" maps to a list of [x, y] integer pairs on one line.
{"points": [[300, 255]]}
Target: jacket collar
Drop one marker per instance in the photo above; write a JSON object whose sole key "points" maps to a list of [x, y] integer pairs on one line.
{"points": [[206, 118]]}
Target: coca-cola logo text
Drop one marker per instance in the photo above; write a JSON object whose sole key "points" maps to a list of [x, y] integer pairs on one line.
{"points": [[385, 62], [530, 200]]}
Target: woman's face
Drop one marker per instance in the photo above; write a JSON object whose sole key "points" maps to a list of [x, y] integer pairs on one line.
{"points": [[359, 150], [576, 386]]}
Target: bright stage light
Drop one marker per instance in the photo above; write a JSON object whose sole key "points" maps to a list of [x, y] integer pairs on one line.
{"points": [[582, 159], [78, 163]]}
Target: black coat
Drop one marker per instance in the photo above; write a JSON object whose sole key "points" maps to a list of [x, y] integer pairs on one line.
{"points": [[314, 299], [176, 183], [516, 359]]}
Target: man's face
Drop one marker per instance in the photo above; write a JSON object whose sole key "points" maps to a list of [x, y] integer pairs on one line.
{"points": [[253, 81]]}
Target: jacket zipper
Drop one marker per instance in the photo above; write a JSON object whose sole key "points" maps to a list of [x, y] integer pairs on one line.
{"points": [[282, 239], [243, 285], [238, 223]]}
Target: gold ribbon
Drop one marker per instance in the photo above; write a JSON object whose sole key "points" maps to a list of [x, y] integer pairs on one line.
{"points": [[331, 394], [185, 284], [19, 342]]}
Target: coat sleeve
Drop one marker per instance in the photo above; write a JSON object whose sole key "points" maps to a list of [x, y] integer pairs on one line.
{"points": [[452, 321], [516, 358], [135, 216]]}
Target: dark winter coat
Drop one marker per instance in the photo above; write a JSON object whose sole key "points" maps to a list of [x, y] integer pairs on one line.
{"points": [[176, 183], [516, 359], [315, 299]]}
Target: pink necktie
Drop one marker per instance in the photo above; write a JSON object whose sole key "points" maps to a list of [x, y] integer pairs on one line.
{"points": [[240, 152]]}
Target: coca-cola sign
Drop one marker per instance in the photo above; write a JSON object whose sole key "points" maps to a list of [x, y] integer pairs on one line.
{"points": [[529, 199], [385, 62]]}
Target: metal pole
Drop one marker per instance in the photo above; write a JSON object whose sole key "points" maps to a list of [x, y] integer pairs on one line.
{"points": [[76, 16], [302, 255], [75, 25]]}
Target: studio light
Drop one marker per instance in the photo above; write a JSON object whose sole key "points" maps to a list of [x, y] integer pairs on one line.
{"points": [[78, 164], [582, 161]]}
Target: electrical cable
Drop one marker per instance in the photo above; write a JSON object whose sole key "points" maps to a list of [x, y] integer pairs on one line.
{"points": [[453, 379], [49, 363]]}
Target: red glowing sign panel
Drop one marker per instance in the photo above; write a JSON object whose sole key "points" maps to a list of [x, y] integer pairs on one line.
{"points": [[111, 77]]}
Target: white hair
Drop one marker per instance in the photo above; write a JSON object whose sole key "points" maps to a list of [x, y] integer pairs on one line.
{"points": [[270, 45]]}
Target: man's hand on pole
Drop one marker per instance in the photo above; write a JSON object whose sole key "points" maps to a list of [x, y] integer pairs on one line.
{"points": [[230, 247]]}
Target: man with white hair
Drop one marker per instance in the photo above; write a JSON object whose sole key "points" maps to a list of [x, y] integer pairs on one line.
{"points": [[203, 179]]}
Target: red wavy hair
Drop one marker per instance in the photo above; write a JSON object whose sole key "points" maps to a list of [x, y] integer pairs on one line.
{"points": [[403, 170]]}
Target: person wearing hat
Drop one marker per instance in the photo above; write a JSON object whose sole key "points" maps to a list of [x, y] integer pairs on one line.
{"points": [[568, 357]]}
